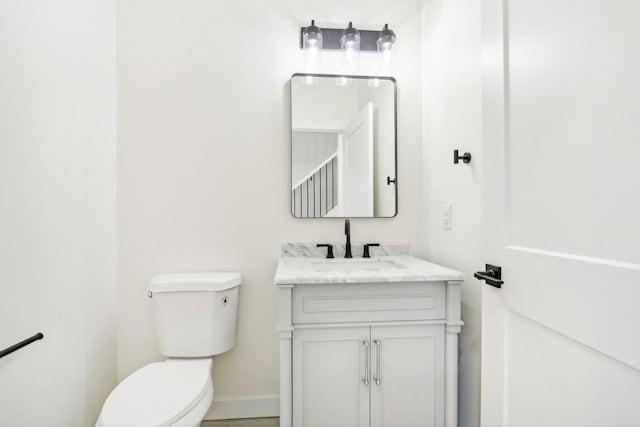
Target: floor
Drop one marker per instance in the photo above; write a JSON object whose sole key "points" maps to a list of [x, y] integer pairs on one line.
{"points": [[247, 422]]}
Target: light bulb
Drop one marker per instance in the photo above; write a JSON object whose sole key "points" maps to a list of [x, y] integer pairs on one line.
{"points": [[385, 49], [350, 52], [311, 56]]}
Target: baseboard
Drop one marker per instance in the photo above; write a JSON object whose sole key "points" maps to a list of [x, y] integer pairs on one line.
{"points": [[244, 407]]}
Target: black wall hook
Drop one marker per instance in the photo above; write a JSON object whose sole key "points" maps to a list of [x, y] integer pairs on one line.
{"points": [[466, 157]]}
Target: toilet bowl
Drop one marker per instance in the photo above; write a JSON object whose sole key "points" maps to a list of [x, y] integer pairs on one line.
{"points": [[195, 317], [176, 393]]}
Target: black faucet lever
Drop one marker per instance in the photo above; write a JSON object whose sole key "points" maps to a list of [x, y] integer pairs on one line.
{"points": [[329, 248], [366, 254], [347, 232]]}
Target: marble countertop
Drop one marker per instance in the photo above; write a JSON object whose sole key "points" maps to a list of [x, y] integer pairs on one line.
{"points": [[296, 268]]}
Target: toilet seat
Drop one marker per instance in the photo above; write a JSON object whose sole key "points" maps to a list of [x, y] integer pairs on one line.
{"points": [[174, 393]]}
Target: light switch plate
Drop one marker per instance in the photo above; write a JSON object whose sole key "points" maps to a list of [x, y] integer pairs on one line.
{"points": [[446, 216]]}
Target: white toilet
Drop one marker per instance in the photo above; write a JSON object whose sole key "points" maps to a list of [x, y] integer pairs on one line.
{"points": [[195, 316]]}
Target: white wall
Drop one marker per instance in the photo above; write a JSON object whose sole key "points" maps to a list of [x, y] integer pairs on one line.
{"points": [[452, 120], [204, 159], [57, 210]]}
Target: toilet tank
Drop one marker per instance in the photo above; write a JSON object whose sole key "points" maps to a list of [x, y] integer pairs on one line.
{"points": [[195, 313]]}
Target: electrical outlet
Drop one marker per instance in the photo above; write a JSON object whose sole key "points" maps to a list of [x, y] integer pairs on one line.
{"points": [[446, 216]]}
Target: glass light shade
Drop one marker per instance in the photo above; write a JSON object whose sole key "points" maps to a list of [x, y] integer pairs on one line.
{"points": [[385, 42], [312, 44], [350, 43]]}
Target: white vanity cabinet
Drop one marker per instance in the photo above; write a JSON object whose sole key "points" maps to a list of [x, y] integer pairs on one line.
{"points": [[369, 354]]}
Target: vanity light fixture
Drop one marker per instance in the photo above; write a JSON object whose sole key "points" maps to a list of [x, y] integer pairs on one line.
{"points": [[350, 40], [312, 44], [350, 44]]}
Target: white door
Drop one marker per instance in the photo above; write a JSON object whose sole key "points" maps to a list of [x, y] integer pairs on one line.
{"points": [[357, 165], [329, 368], [561, 338], [407, 378]]}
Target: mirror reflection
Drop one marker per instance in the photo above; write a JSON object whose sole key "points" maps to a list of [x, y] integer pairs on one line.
{"points": [[343, 146]]}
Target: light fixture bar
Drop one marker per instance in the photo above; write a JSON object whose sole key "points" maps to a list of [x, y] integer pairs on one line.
{"points": [[331, 39]]}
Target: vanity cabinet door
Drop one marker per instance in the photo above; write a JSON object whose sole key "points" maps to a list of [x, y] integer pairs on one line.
{"points": [[407, 378], [330, 388]]}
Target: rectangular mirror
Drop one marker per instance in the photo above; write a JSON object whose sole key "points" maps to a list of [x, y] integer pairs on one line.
{"points": [[343, 146]]}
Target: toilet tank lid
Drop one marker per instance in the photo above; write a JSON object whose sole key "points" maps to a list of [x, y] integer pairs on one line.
{"points": [[183, 282]]}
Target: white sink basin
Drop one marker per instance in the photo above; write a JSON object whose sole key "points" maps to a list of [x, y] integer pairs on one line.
{"points": [[356, 265]]}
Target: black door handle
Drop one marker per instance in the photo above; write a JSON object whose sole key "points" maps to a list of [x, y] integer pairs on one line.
{"points": [[492, 275]]}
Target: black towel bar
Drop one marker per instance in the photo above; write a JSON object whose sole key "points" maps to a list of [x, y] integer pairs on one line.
{"points": [[21, 344]]}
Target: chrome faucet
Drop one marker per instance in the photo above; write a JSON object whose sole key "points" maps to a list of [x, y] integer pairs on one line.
{"points": [[347, 232]]}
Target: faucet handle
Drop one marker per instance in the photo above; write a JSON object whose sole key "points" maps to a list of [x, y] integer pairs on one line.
{"points": [[329, 248], [366, 249]]}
